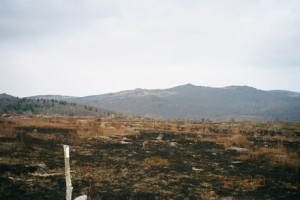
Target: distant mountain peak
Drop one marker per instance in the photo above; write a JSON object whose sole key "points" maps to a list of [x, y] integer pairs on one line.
{"points": [[185, 86], [189, 85], [139, 89]]}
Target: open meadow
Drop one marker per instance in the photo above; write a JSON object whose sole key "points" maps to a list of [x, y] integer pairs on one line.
{"points": [[135, 158]]}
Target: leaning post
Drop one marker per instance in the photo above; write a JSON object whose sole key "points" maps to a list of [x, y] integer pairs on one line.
{"points": [[69, 187]]}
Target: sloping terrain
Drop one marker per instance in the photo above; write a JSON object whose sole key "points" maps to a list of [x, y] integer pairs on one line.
{"points": [[197, 102], [14, 105]]}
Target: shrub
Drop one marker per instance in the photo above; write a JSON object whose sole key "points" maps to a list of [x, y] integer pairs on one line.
{"points": [[237, 140]]}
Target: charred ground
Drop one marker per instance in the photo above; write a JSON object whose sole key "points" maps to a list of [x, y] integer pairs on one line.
{"points": [[148, 159]]}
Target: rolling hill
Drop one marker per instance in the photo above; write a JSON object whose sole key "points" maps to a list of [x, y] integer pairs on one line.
{"points": [[198, 102], [48, 106]]}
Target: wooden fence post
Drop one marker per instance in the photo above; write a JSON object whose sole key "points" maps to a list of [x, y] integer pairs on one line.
{"points": [[69, 187]]}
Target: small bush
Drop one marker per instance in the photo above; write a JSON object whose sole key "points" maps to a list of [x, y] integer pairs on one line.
{"points": [[237, 140]]}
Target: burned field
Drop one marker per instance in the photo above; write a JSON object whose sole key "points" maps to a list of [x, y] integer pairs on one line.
{"points": [[148, 159]]}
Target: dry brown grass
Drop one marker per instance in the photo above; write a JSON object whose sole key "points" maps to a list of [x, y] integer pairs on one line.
{"points": [[100, 128], [286, 136], [156, 161], [6, 127], [228, 140], [227, 134], [277, 156], [237, 140], [248, 184]]}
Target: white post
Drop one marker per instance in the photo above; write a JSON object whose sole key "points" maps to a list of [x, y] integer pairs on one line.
{"points": [[69, 187]]}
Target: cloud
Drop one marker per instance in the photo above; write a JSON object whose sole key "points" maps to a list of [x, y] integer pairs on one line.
{"points": [[33, 18], [94, 46]]}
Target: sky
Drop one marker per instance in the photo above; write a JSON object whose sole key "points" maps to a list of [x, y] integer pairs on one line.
{"points": [[89, 47]]}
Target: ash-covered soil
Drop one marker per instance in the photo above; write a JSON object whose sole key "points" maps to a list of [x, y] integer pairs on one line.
{"points": [[144, 166]]}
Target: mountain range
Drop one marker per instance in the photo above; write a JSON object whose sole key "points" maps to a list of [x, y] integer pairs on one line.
{"points": [[197, 102]]}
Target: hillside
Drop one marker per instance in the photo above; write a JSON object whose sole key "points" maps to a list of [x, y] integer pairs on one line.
{"points": [[47, 106], [197, 102]]}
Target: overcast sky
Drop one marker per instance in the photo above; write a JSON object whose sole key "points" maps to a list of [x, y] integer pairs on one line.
{"points": [[87, 47]]}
